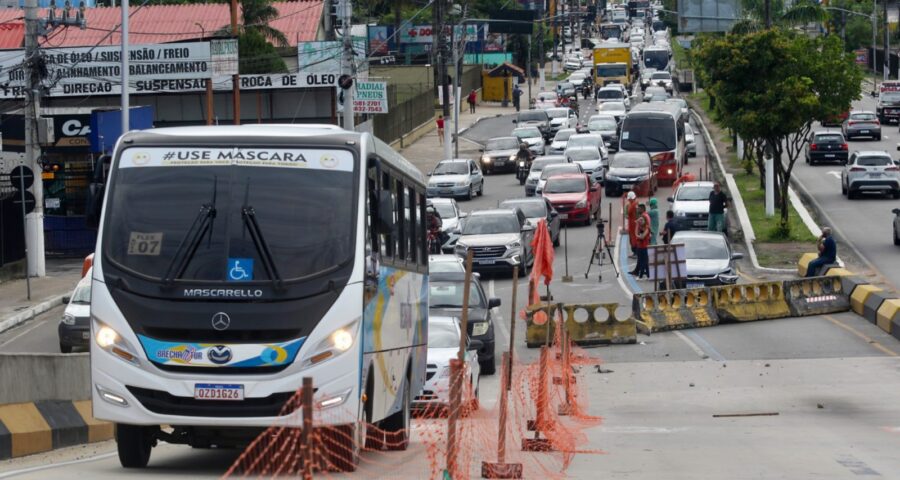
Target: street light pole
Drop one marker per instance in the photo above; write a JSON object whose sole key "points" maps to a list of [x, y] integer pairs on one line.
{"points": [[887, 44]]}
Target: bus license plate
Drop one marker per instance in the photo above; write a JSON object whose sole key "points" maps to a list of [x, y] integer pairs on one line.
{"points": [[216, 391]]}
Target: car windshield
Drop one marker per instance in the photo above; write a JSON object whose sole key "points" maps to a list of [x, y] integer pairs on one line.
{"points": [[580, 154], [527, 132], [659, 97], [443, 335], [491, 224], [531, 208], [653, 133], [82, 294], [558, 112], [165, 201], [612, 70], [563, 135], [567, 85], [548, 172], [533, 116], [445, 266], [693, 193], [829, 138], [611, 93], [602, 124], [863, 116], [611, 107], [874, 161], [584, 141], [704, 248], [445, 210], [660, 76], [451, 168], [502, 144], [539, 165], [630, 161], [446, 294], [564, 185]]}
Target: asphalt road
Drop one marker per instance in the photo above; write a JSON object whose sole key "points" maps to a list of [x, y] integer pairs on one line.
{"points": [[38, 335], [825, 388], [863, 224]]}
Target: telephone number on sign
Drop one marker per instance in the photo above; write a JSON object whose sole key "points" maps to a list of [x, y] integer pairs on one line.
{"points": [[364, 109]]}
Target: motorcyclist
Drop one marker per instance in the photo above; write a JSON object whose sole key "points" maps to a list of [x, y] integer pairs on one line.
{"points": [[434, 224], [523, 162]]}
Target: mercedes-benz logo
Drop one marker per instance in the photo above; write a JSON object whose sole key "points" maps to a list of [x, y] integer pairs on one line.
{"points": [[221, 321]]}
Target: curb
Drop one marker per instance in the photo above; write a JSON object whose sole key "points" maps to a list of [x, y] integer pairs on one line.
{"points": [[34, 427], [31, 312], [749, 235]]}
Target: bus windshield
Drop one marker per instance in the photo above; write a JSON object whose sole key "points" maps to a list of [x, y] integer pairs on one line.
{"points": [[652, 133], [658, 59], [216, 215]]}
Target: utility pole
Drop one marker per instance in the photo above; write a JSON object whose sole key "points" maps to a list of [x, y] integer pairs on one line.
{"points": [[348, 66], [236, 78], [442, 66], [126, 107], [887, 44], [34, 221]]}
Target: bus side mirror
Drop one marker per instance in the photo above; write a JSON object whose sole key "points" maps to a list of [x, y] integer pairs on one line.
{"points": [[96, 192]]}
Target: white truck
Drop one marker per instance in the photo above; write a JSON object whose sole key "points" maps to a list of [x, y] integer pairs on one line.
{"points": [[888, 106]]}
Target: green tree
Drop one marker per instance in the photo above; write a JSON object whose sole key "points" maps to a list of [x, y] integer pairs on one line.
{"points": [[772, 85], [799, 12], [256, 37]]}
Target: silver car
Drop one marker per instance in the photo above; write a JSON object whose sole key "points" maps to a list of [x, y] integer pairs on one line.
{"points": [[455, 178], [560, 140], [709, 259], [870, 171], [616, 109], [499, 154], [531, 136], [689, 141], [662, 79], [861, 124], [590, 160], [606, 126], [500, 239], [537, 166], [535, 210]]}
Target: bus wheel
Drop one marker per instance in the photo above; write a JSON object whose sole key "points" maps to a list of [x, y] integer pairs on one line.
{"points": [[134, 443], [342, 446], [396, 427]]}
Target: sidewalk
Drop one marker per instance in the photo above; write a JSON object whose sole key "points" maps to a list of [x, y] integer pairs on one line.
{"points": [[427, 151], [46, 292]]}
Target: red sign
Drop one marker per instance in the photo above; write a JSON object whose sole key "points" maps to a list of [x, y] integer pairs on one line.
{"points": [[862, 56]]}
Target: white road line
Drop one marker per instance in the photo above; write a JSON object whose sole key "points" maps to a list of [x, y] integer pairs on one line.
{"points": [[497, 316], [699, 351], [621, 277], [835, 174], [14, 473], [23, 333]]}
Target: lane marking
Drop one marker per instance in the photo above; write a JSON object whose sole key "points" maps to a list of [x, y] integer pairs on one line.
{"points": [[24, 332], [699, 351], [622, 257], [871, 341], [705, 345], [496, 316], [23, 471], [835, 174]]}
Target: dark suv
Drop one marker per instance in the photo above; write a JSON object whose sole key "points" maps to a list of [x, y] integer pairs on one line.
{"points": [[535, 118], [826, 147], [445, 299]]}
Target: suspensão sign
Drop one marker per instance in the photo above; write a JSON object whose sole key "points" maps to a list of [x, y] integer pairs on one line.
{"points": [[81, 71]]}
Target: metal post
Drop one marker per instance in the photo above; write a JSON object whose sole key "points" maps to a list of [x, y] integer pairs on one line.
{"points": [[34, 221], [306, 448], [887, 44], [236, 78], [22, 197], [566, 278], [504, 394], [512, 324], [874, 44], [209, 102], [457, 94], [348, 66], [126, 108], [528, 73]]}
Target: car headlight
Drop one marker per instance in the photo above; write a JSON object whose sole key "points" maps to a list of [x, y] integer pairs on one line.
{"points": [[582, 203], [337, 342], [680, 214], [460, 249], [641, 178], [514, 245], [68, 319], [612, 177], [486, 159], [512, 158], [462, 183], [108, 339], [479, 328]]}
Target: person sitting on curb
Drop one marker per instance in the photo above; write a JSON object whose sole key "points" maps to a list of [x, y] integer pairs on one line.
{"points": [[827, 253]]}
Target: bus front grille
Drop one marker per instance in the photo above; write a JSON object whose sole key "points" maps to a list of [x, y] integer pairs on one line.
{"points": [[164, 403]]}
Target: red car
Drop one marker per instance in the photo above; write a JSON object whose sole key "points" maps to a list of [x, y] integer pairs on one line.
{"points": [[574, 196], [835, 120]]}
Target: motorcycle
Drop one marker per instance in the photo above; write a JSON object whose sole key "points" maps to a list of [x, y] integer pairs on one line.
{"points": [[523, 167]]}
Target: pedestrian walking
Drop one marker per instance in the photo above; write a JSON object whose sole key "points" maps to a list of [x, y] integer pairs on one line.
{"points": [[631, 216], [517, 94], [718, 201], [654, 220], [440, 129], [473, 97], [827, 248], [643, 241]]}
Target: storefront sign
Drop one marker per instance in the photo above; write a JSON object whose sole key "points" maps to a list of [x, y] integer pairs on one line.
{"points": [[370, 97], [224, 56]]}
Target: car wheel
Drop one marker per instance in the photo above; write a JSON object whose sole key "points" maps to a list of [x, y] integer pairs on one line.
{"points": [[481, 189], [134, 443], [63, 348], [896, 194], [896, 237], [489, 367], [851, 194], [878, 138], [843, 189]]}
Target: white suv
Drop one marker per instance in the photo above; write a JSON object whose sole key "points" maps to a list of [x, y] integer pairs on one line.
{"points": [[870, 171]]}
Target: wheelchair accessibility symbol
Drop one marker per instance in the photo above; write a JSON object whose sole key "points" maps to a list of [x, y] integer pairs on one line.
{"points": [[240, 269]]}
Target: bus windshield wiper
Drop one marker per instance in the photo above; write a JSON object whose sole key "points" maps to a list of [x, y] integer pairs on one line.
{"points": [[188, 247], [249, 216]]}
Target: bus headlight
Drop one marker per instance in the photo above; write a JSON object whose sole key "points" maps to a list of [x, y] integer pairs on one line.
{"points": [[338, 342], [108, 339]]}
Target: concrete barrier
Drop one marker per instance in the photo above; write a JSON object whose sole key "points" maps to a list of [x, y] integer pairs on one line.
{"points": [[674, 310], [859, 295], [836, 271], [816, 296], [588, 324], [750, 302], [888, 317], [803, 263], [873, 304], [33, 427], [39, 376]]}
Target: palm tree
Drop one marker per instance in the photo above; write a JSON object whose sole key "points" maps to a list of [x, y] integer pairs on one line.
{"points": [[781, 14], [256, 16]]}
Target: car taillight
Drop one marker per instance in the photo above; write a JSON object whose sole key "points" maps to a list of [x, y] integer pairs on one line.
{"points": [[844, 146], [813, 146], [876, 122], [857, 169], [851, 123], [664, 157], [892, 169]]}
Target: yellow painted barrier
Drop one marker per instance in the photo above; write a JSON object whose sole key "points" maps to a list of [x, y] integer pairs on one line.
{"points": [[674, 310], [587, 324], [816, 296], [750, 302], [838, 272], [888, 316], [804, 263], [859, 296]]}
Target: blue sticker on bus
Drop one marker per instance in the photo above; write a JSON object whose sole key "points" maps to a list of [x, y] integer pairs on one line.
{"points": [[240, 269]]}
